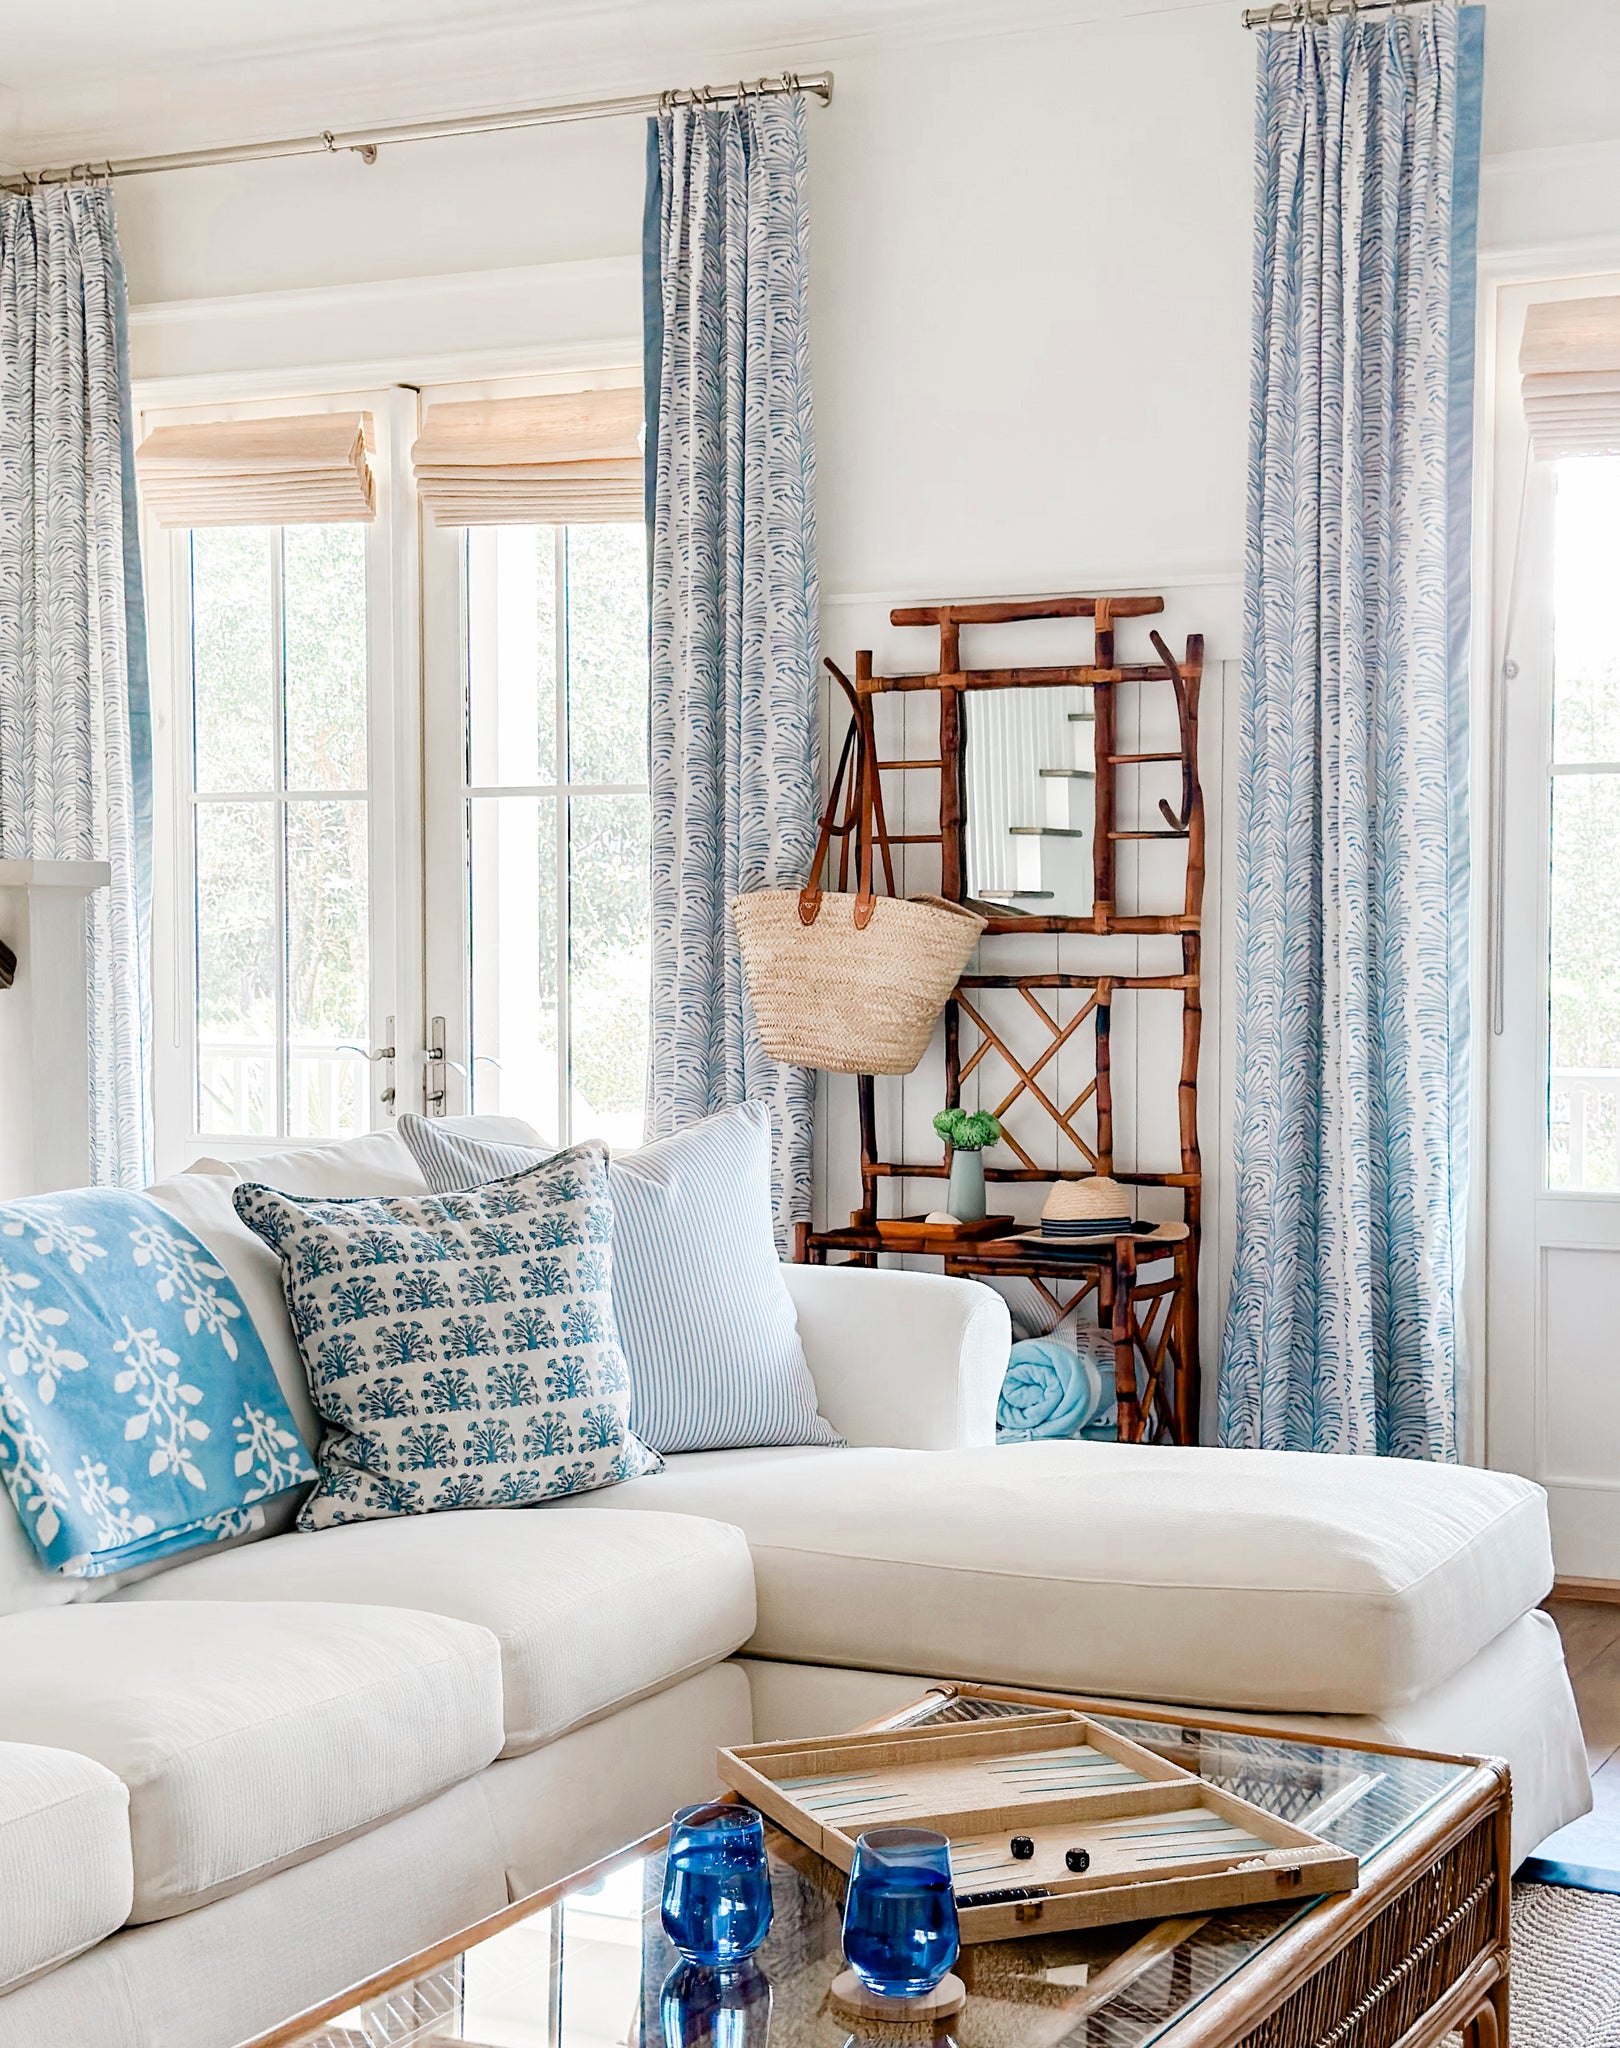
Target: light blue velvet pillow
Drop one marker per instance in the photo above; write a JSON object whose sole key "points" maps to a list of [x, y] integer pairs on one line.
{"points": [[704, 1315]]}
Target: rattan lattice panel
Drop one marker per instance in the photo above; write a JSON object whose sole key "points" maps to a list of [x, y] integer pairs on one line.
{"points": [[1377, 1988]]}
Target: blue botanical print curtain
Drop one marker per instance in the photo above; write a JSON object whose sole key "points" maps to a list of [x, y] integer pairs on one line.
{"points": [[1343, 1329], [730, 457], [75, 729]]}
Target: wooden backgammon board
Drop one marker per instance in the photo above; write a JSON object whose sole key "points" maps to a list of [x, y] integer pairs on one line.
{"points": [[1053, 1819]]}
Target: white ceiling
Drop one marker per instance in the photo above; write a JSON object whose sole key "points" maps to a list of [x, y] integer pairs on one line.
{"points": [[89, 79]]}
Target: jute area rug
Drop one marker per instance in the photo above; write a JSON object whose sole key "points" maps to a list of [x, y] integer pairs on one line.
{"points": [[1566, 1968]]}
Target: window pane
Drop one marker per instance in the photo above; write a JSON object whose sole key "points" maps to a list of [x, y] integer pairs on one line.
{"points": [[1584, 977], [607, 653], [610, 966], [1585, 982], [324, 607], [512, 655], [233, 681], [236, 968], [1586, 661], [512, 848], [327, 969]]}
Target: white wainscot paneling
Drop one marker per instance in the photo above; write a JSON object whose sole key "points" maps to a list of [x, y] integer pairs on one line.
{"points": [[1580, 1399]]}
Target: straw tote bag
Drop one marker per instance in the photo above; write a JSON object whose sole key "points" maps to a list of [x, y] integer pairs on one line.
{"points": [[854, 984]]}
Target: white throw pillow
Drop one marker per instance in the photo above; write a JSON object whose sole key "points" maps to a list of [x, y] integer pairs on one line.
{"points": [[704, 1314]]}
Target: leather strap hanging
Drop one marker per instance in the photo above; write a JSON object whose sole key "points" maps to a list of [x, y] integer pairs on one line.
{"points": [[855, 760]]}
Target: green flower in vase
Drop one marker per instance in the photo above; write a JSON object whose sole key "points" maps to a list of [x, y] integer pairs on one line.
{"points": [[967, 1133]]}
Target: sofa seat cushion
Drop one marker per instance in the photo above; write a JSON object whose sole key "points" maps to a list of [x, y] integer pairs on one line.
{"points": [[251, 1737], [1261, 1579], [65, 1873], [590, 1611]]}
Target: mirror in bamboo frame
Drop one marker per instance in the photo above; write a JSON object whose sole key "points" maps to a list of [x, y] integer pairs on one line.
{"points": [[1031, 793]]}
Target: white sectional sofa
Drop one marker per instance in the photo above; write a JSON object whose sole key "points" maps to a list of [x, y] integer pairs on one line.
{"points": [[246, 1779]]}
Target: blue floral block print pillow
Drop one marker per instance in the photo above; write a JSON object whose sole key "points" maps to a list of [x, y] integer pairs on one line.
{"points": [[461, 1348], [139, 1414]]}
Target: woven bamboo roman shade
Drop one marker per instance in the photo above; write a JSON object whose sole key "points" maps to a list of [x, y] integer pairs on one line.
{"points": [[1570, 363], [259, 472], [572, 459]]}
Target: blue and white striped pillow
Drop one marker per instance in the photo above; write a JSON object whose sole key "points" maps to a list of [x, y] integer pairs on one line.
{"points": [[705, 1318]]}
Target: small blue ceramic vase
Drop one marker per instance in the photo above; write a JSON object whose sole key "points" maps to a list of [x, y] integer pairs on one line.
{"points": [[966, 1198]]}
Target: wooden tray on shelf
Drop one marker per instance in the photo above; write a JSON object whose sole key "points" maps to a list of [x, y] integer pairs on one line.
{"points": [[915, 1232], [1160, 1840]]}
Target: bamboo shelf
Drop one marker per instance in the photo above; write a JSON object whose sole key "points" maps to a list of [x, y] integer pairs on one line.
{"points": [[1146, 1290]]}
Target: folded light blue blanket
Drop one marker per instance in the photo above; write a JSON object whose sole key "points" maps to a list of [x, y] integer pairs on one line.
{"points": [[1051, 1390], [139, 1413]]}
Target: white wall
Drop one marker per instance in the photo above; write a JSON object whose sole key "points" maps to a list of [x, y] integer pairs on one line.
{"points": [[1031, 272]]}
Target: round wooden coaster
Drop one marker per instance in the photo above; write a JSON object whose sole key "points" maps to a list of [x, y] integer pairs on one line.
{"points": [[852, 1998]]}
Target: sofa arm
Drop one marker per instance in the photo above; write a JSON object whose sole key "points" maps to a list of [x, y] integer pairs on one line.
{"points": [[913, 1361]]}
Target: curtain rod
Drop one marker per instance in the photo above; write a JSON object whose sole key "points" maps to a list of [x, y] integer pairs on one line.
{"points": [[365, 142], [1290, 13]]}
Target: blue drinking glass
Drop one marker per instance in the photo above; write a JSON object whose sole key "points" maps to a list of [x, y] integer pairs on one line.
{"points": [[717, 1885], [900, 1927]]}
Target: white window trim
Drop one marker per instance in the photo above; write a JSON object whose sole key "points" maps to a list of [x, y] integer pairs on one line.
{"points": [[1519, 1223]]}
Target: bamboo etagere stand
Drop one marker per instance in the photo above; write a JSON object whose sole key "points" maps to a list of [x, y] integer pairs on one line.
{"points": [[1145, 1288]]}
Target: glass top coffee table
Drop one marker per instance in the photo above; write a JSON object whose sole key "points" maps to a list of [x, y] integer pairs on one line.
{"points": [[1418, 1951]]}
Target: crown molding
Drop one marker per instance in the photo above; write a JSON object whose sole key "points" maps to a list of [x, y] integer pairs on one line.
{"points": [[475, 67]]}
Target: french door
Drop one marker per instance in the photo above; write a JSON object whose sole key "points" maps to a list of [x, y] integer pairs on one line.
{"points": [[286, 910], [538, 931], [402, 818], [1553, 1268]]}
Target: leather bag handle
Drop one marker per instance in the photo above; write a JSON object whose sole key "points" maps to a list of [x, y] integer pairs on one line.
{"points": [[866, 769], [810, 894]]}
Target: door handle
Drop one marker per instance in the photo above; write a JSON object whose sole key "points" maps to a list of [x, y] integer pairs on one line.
{"points": [[435, 1075], [387, 1053]]}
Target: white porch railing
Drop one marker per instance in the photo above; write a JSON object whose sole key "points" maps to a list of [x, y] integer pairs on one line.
{"points": [[1583, 1124], [326, 1089]]}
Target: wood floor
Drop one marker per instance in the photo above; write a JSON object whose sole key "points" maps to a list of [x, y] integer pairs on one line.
{"points": [[1591, 1633]]}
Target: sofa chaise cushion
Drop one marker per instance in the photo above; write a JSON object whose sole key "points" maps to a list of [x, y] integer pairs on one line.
{"points": [[251, 1736], [1260, 1579], [65, 1874], [591, 1612]]}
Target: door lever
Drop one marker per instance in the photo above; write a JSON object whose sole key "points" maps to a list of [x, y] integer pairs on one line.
{"points": [[386, 1053], [436, 1073]]}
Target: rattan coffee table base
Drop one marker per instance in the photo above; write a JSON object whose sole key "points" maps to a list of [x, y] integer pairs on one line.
{"points": [[1418, 1953]]}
